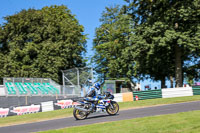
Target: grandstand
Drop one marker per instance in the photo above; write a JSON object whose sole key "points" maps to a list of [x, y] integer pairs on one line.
{"points": [[31, 87], [27, 91]]}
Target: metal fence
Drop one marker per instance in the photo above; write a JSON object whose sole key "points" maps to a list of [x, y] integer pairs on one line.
{"points": [[27, 80], [77, 80]]}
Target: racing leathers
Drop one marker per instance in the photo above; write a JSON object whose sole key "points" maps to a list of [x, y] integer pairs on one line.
{"points": [[93, 97]]}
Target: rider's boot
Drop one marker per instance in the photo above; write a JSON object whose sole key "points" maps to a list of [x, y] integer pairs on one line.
{"points": [[93, 107]]}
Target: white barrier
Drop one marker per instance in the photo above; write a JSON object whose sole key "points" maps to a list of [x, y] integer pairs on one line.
{"points": [[118, 97], [177, 92], [2, 90], [47, 106]]}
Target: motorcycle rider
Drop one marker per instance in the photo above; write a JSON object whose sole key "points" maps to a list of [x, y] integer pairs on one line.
{"points": [[93, 96]]}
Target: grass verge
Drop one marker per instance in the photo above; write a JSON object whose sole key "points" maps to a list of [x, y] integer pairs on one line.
{"points": [[12, 120], [41, 116], [159, 101], [187, 122]]}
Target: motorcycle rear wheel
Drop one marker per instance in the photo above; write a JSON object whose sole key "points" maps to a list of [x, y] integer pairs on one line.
{"points": [[114, 110], [79, 115]]}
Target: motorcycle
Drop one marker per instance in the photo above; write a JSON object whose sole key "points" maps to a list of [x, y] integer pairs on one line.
{"points": [[85, 107]]}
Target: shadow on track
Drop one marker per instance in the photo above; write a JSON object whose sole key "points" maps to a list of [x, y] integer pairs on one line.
{"points": [[100, 116]]}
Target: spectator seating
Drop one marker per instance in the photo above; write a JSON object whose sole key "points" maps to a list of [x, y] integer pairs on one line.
{"points": [[10, 87], [21, 89], [42, 89], [51, 88], [31, 88]]}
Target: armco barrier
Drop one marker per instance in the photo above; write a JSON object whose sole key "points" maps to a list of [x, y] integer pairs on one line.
{"points": [[177, 92], [150, 94], [196, 90]]}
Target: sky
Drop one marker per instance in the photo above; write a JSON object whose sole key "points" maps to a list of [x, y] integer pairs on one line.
{"points": [[88, 13]]}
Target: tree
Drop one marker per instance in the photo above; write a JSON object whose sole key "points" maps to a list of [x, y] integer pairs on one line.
{"points": [[157, 39], [149, 58], [132, 58], [112, 37], [169, 31], [41, 43]]}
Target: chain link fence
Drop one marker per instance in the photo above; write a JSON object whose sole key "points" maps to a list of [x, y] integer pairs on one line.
{"points": [[77, 80]]}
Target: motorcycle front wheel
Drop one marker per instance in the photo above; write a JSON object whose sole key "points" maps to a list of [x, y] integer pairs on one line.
{"points": [[79, 115], [113, 108]]}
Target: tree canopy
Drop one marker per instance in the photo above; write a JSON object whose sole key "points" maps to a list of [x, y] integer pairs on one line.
{"points": [[170, 30], [41, 43], [110, 40], [164, 38]]}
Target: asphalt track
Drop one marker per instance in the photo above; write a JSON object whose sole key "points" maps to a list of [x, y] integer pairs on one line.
{"points": [[98, 118]]}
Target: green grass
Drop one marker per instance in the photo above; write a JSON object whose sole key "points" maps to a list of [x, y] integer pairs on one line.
{"points": [[68, 112], [159, 101], [187, 122], [11, 120]]}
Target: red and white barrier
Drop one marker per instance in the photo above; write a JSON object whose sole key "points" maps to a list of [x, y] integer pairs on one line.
{"points": [[64, 103], [21, 110], [4, 112]]}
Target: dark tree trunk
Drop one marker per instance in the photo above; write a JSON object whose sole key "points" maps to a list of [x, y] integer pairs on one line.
{"points": [[178, 66], [163, 82], [171, 81]]}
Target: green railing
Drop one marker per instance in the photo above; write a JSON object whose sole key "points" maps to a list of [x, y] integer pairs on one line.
{"points": [[150, 94], [196, 90]]}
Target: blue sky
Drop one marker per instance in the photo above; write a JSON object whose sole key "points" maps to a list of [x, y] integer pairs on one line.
{"points": [[88, 12]]}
